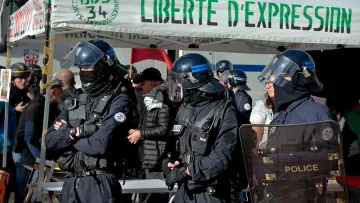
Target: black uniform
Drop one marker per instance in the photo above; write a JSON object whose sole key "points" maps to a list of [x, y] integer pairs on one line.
{"points": [[97, 156], [18, 70], [207, 126], [100, 153], [16, 97], [210, 153], [243, 102]]}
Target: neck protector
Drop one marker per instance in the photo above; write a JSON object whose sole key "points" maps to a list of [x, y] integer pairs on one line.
{"points": [[286, 95], [94, 83]]}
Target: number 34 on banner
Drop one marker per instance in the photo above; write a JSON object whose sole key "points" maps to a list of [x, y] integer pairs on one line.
{"points": [[96, 12]]}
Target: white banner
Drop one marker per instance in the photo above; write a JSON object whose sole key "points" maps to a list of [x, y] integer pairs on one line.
{"points": [[4, 16], [290, 21], [305, 21], [126, 40], [28, 20]]}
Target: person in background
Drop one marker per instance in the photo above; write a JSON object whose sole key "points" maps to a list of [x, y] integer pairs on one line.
{"points": [[154, 130], [293, 76], [237, 84], [263, 113], [28, 135], [19, 94], [138, 93], [10, 142], [222, 66], [34, 79], [68, 81]]}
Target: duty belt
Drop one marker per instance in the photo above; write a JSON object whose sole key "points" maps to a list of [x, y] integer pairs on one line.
{"points": [[87, 173], [189, 158]]}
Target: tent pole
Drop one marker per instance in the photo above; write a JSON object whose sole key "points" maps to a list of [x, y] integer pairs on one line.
{"points": [[46, 83], [6, 123], [131, 72]]}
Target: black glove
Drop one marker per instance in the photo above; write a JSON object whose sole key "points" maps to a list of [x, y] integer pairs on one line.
{"points": [[64, 127], [176, 175], [165, 168], [87, 130]]}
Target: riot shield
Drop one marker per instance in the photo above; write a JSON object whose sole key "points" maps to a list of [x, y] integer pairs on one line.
{"points": [[292, 163]]}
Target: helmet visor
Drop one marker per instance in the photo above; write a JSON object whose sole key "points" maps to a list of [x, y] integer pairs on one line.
{"points": [[279, 71], [176, 93], [83, 56]]}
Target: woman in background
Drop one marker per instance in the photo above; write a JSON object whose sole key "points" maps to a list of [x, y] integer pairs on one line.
{"points": [[263, 113]]}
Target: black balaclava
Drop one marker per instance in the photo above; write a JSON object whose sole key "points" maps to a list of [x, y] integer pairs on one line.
{"points": [[292, 91], [94, 82]]}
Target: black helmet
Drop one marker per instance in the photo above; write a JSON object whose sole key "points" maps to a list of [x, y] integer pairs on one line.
{"points": [[295, 64], [35, 75], [237, 78], [192, 72], [223, 65], [88, 54], [35, 71], [19, 70]]}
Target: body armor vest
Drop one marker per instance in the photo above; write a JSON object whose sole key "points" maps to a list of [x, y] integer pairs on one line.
{"points": [[196, 137], [77, 110], [77, 161]]}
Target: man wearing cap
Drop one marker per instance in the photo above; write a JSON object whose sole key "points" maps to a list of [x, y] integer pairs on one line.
{"points": [[154, 128], [27, 139], [19, 94]]}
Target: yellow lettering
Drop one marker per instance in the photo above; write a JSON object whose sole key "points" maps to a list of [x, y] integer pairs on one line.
{"points": [[316, 167], [287, 168], [308, 168], [293, 169]]}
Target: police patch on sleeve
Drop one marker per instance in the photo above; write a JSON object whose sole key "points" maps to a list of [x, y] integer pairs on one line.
{"points": [[120, 117], [247, 106]]}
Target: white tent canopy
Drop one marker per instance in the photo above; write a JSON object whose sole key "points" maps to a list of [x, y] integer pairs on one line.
{"points": [[185, 24], [226, 26]]}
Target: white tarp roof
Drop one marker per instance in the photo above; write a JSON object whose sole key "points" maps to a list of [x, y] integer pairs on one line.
{"points": [[213, 25]]}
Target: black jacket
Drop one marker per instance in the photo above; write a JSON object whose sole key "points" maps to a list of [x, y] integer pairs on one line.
{"points": [[109, 143], [155, 127], [30, 126], [16, 97]]}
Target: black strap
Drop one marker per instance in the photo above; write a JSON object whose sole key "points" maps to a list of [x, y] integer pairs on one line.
{"points": [[222, 110]]}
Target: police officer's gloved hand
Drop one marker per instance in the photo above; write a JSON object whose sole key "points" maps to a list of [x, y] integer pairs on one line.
{"points": [[165, 168], [176, 175], [87, 130]]}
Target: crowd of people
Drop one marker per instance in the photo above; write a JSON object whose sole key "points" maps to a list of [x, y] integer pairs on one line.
{"points": [[184, 130]]}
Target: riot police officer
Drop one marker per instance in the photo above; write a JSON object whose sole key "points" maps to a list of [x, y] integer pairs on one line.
{"points": [[90, 135], [296, 162], [293, 76], [206, 124], [34, 79], [236, 82], [222, 66]]}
